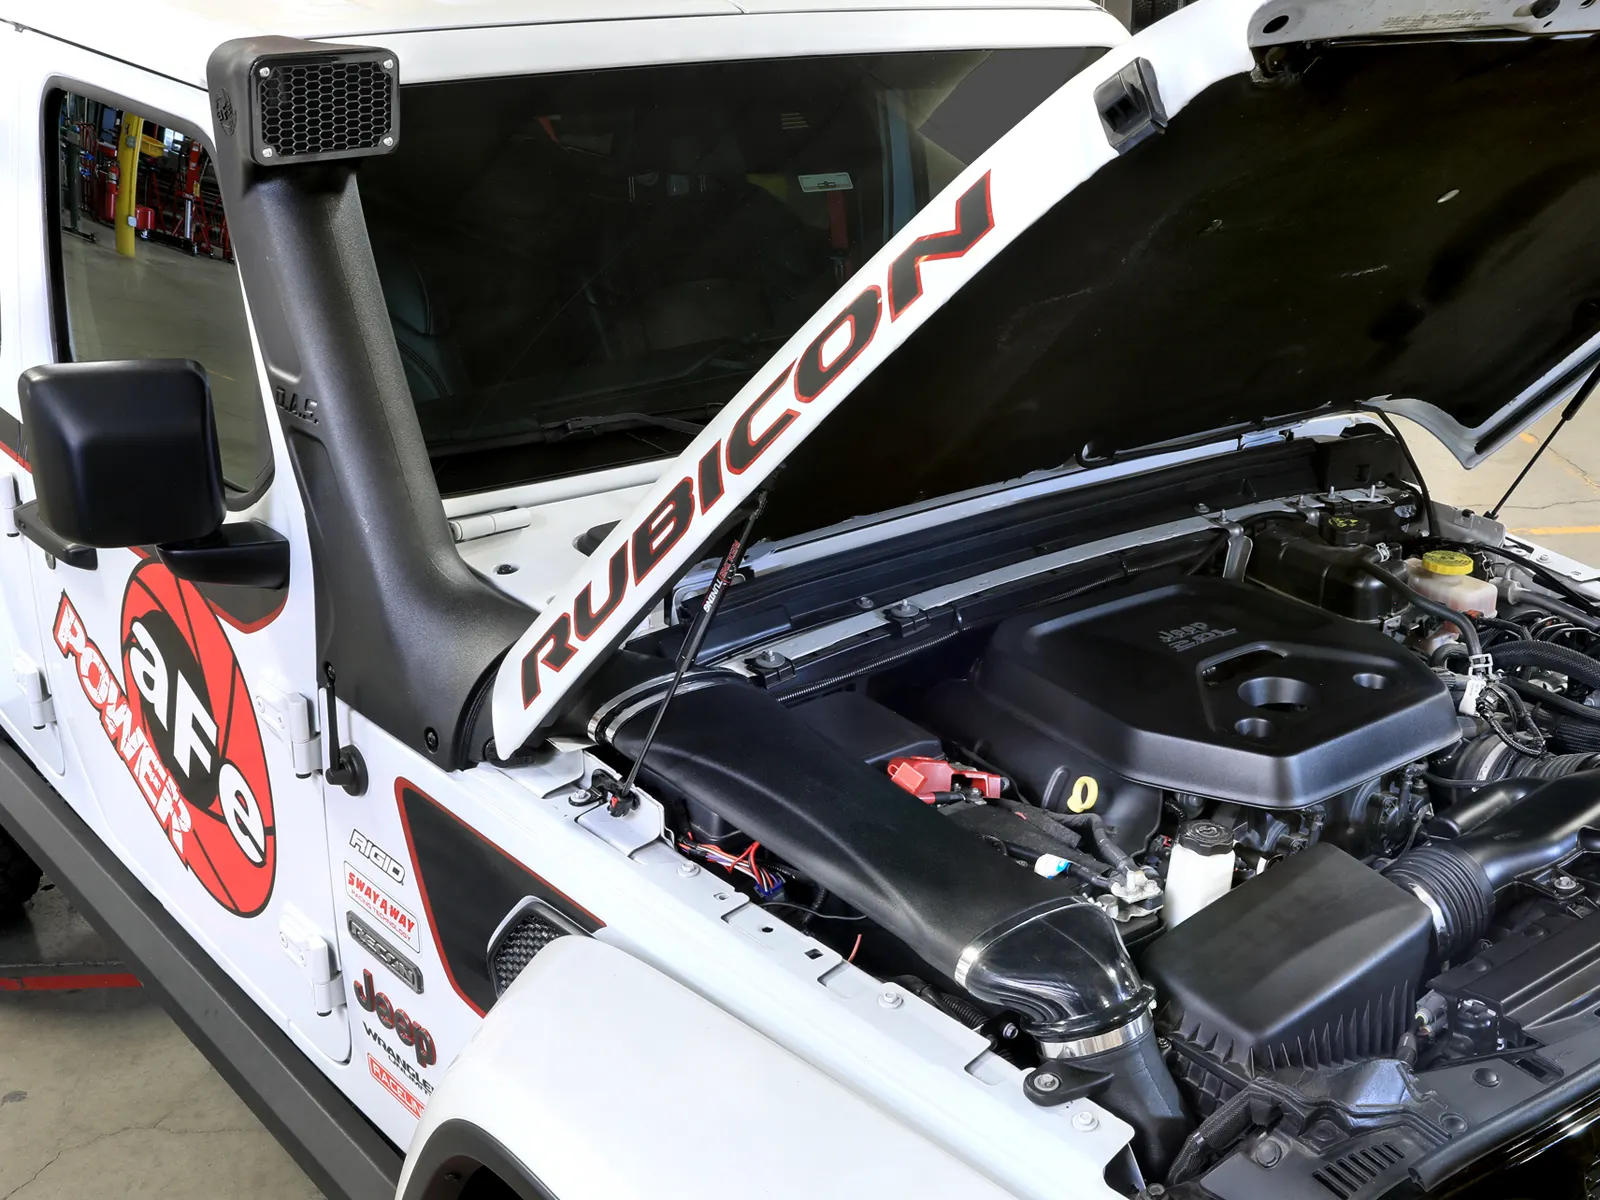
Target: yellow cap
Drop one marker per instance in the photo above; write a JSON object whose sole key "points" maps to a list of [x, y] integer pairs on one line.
{"points": [[1447, 562]]}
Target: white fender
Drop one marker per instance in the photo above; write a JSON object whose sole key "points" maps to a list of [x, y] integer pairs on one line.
{"points": [[606, 1079]]}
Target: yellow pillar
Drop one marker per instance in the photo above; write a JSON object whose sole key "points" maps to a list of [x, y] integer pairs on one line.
{"points": [[127, 183]]}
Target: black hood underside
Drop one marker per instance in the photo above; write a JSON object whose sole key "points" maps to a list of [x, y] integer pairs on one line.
{"points": [[1415, 220]]}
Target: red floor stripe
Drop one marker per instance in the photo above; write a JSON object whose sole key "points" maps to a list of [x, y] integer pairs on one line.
{"points": [[63, 983]]}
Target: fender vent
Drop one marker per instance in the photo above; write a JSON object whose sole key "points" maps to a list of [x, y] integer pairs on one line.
{"points": [[531, 927], [328, 106], [1349, 1176]]}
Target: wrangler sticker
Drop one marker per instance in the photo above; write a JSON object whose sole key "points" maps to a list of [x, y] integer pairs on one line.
{"points": [[398, 1061], [401, 967], [391, 915], [394, 1087], [185, 731]]}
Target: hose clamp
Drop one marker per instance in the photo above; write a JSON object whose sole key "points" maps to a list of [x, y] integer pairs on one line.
{"points": [[1111, 1039]]}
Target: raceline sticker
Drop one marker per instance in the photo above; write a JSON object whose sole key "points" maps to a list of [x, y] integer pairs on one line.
{"points": [[394, 1087], [185, 731], [728, 461], [377, 856], [401, 967], [390, 914]]}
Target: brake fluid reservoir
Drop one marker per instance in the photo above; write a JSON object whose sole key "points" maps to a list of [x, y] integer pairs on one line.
{"points": [[1200, 870], [1446, 576]]}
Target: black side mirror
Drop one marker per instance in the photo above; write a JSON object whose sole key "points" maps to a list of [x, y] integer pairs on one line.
{"points": [[125, 454]]}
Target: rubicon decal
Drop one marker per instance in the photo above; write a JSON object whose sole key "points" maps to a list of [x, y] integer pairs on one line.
{"points": [[183, 726], [390, 914], [731, 458], [401, 967]]}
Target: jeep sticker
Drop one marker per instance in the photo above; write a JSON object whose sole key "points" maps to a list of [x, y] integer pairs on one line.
{"points": [[410, 1033], [181, 721]]}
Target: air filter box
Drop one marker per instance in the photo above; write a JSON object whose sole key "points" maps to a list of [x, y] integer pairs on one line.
{"points": [[1314, 963]]}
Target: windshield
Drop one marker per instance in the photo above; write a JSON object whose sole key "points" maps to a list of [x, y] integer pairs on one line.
{"points": [[581, 269]]}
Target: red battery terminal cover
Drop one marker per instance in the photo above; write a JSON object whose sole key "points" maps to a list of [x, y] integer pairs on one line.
{"points": [[928, 779]]}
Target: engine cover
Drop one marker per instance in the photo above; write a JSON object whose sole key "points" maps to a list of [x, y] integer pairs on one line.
{"points": [[1203, 686]]}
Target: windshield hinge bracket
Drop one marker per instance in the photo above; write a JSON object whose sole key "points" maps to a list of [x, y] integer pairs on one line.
{"points": [[1130, 106]]}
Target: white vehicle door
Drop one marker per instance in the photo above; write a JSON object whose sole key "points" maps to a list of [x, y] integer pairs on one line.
{"points": [[184, 708]]}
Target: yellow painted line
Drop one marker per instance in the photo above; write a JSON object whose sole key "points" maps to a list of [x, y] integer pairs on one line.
{"points": [[1550, 530], [1529, 438]]}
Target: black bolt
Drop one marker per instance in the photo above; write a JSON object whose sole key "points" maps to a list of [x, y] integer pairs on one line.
{"points": [[1453, 1123], [506, 569], [327, 672], [864, 603], [1268, 1154], [431, 737]]}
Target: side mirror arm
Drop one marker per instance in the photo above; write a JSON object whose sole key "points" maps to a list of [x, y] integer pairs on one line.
{"points": [[243, 553], [32, 526]]}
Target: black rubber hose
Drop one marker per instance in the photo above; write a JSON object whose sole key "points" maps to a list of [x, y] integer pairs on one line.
{"points": [[1442, 611], [1487, 802], [1551, 657], [1143, 1094], [1538, 695], [1229, 1122], [1577, 734], [1459, 878], [1114, 854]]}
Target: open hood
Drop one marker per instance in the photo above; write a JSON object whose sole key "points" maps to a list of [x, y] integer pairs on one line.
{"points": [[1244, 216]]}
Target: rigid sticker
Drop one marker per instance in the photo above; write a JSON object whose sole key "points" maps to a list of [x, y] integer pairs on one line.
{"points": [[377, 856], [185, 731], [401, 967], [394, 1087], [389, 913]]}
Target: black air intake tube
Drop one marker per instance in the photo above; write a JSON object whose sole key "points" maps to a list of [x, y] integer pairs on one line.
{"points": [[1458, 879], [1003, 934]]}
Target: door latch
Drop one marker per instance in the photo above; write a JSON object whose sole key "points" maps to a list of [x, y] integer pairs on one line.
{"points": [[30, 679], [306, 946]]}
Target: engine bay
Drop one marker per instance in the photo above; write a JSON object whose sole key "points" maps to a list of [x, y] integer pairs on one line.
{"points": [[1274, 839]]}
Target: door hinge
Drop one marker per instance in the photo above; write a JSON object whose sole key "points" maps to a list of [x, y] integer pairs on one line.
{"points": [[30, 678], [288, 715], [312, 952], [10, 498]]}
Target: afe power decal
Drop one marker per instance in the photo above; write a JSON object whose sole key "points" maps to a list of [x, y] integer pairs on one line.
{"points": [[391, 915], [394, 1087], [181, 721], [401, 967], [730, 457]]}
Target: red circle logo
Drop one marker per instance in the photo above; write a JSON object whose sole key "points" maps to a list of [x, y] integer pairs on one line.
{"points": [[189, 697]]}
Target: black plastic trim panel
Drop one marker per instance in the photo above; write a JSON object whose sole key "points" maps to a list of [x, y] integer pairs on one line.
{"points": [[445, 1166], [324, 1132]]}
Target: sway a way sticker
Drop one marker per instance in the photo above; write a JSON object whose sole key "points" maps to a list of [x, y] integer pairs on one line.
{"points": [[391, 915], [394, 1087], [180, 720]]}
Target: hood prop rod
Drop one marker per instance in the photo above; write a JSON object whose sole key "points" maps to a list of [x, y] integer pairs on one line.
{"points": [[622, 799], [1590, 385]]}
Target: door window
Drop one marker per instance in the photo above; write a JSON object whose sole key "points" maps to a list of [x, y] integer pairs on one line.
{"points": [[177, 295]]}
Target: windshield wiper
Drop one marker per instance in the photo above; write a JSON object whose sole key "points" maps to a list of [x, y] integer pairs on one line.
{"points": [[549, 432], [556, 431]]}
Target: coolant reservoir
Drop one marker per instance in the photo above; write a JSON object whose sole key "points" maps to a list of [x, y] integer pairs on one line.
{"points": [[1446, 576], [1200, 870]]}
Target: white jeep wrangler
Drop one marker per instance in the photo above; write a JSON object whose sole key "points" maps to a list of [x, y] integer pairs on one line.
{"points": [[695, 613]]}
